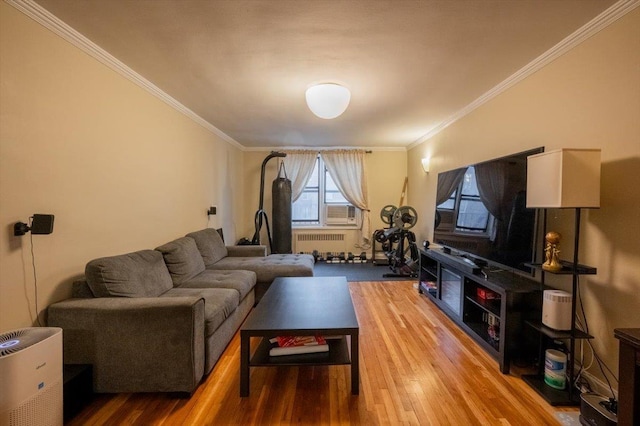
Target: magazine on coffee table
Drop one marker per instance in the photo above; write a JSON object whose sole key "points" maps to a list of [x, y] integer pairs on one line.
{"points": [[293, 345]]}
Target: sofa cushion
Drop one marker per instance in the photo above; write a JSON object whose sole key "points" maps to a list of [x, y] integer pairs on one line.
{"points": [[247, 251], [182, 259], [210, 245], [270, 267], [80, 290], [219, 304], [139, 274], [241, 281]]}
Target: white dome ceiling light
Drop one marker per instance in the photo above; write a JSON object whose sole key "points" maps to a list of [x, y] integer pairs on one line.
{"points": [[328, 100]]}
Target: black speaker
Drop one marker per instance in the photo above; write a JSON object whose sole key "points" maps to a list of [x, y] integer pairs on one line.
{"points": [[42, 224]]}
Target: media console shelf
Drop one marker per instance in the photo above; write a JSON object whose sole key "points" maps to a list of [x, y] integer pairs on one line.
{"points": [[490, 305]]}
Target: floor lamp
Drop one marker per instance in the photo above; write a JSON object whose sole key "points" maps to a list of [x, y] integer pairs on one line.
{"points": [[566, 178]]}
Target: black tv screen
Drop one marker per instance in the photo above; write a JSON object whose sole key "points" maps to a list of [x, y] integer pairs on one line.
{"points": [[481, 211]]}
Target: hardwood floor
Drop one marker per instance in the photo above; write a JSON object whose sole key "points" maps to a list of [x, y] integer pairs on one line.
{"points": [[416, 366]]}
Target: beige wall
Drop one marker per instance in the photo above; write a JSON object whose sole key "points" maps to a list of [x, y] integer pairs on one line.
{"points": [[588, 98], [386, 171], [119, 169]]}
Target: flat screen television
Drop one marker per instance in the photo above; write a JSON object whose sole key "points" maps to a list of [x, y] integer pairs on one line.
{"points": [[481, 212]]}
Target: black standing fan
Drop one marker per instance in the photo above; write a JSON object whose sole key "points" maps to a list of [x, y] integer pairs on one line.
{"points": [[260, 214]]}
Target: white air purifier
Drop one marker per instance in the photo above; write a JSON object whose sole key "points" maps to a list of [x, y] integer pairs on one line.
{"points": [[556, 309], [31, 377]]}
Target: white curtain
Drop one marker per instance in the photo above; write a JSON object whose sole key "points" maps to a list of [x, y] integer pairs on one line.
{"points": [[299, 166], [347, 170]]}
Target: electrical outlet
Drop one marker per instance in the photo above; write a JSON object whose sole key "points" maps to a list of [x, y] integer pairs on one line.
{"points": [[212, 210]]}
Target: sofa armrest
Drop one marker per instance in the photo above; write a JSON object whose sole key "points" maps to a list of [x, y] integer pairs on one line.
{"points": [[247, 251], [153, 344]]}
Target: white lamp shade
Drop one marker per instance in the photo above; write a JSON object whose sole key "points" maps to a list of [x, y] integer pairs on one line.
{"points": [[564, 178], [328, 100]]}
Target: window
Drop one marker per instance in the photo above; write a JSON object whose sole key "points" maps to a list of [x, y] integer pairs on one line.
{"points": [[306, 209], [321, 191], [470, 213]]}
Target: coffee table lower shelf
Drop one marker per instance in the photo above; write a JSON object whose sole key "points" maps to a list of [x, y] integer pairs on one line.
{"points": [[338, 355]]}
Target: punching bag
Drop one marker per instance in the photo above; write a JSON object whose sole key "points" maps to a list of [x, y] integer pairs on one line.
{"points": [[281, 212]]}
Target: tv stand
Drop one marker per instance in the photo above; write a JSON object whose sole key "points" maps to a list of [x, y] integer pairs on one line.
{"points": [[490, 306]]}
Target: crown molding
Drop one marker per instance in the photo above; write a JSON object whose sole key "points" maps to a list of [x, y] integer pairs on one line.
{"points": [[48, 20], [606, 18], [326, 148], [51, 22]]}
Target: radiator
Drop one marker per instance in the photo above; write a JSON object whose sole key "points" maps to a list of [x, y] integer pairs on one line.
{"points": [[324, 242]]}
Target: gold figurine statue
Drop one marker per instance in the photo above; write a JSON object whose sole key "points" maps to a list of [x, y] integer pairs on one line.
{"points": [[551, 251]]}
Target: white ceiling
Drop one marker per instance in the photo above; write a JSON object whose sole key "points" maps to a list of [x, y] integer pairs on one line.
{"points": [[244, 65]]}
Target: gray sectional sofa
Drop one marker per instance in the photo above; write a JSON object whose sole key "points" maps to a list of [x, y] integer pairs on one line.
{"points": [[217, 256], [158, 320]]}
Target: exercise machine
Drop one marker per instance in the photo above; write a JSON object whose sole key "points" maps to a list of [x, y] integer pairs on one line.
{"points": [[398, 242], [386, 215]]}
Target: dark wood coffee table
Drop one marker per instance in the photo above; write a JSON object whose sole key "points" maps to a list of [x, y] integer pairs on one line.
{"points": [[300, 306]]}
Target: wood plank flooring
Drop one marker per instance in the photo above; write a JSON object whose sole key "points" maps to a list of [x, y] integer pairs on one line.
{"points": [[416, 368]]}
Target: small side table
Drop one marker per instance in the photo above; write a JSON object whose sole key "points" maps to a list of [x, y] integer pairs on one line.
{"points": [[629, 375]]}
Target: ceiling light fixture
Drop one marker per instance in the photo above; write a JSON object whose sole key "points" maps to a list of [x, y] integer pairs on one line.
{"points": [[328, 100]]}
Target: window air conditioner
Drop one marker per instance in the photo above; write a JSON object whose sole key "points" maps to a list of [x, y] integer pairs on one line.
{"points": [[31, 377], [340, 214]]}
